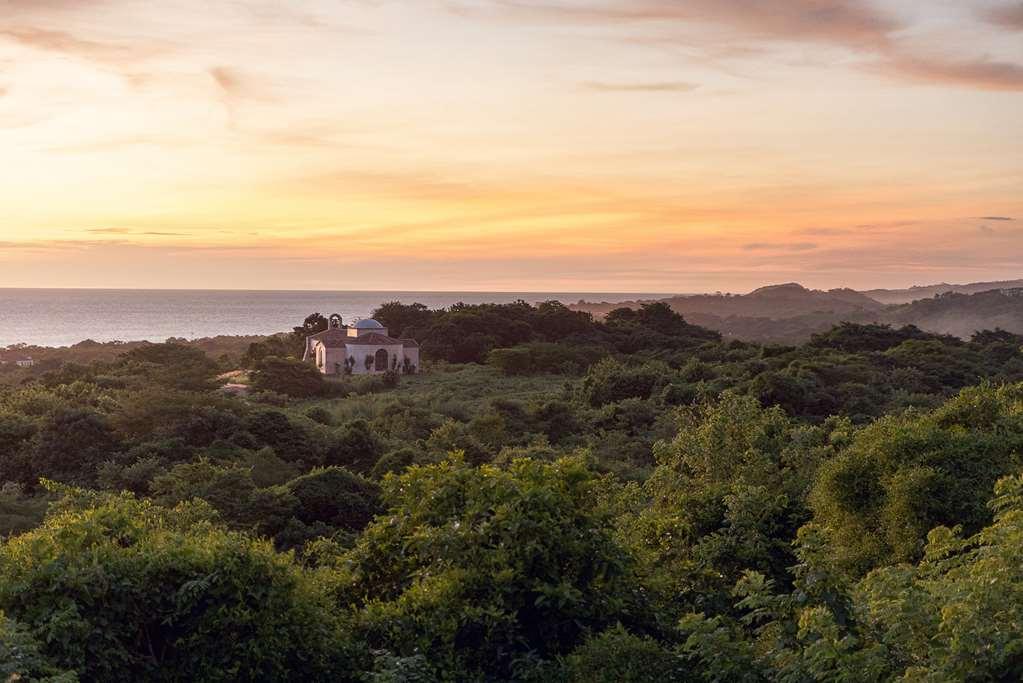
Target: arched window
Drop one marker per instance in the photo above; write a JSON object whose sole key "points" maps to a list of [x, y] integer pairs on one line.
{"points": [[381, 360]]}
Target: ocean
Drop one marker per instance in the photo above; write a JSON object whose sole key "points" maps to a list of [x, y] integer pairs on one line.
{"points": [[62, 317]]}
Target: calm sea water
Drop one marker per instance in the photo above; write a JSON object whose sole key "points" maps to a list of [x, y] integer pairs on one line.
{"points": [[61, 317]]}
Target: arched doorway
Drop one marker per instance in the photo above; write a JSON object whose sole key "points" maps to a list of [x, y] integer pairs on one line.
{"points": [[381, 360]]}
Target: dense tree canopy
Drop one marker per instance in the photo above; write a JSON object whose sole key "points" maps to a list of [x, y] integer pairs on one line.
{"points": [[126, 590], [552, 499]]}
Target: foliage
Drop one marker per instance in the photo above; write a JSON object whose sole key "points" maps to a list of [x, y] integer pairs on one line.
{"points": [[544, 357], [610, 381], [496, 565], [124, 589], [906, 474], [635, 499], [289, 377], [617, 656], [21, 657]]}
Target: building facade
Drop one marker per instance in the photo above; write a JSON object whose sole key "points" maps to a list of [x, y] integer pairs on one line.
{"points": [[17, 359], [360, 349]]}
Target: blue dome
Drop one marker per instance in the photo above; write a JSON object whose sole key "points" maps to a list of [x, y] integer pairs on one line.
{"points": [[368, 324]]}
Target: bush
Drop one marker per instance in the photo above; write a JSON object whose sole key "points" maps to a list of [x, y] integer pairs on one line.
{"points": [[354, 446], [496, 565], [171, 364], [21, 657], [335, 497], [289, 377], [396, 462], [320, 415], [291, 441], [617, 656], [124, 590], [904, 475], [610, 381], [70, 446], [542, 357]]}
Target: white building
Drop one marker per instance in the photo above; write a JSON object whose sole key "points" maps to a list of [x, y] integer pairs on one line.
{"points": [[363, 348], [20, 360]]}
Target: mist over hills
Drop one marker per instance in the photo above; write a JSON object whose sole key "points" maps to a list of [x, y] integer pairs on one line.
{"points": [[905, 296], [790, 313]]}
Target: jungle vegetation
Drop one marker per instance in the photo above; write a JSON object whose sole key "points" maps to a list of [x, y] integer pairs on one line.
{"points": [[552, 498]]}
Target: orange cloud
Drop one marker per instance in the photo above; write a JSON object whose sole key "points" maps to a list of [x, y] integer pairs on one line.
{"points": [[1006, 16], [848, 22], [851, 24], [64, 42], [665, 86], [982, 74]]}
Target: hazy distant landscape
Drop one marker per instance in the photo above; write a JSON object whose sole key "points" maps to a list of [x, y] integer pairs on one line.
{"points": [[791, 313]]}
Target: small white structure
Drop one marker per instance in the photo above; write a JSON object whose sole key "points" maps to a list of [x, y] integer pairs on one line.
{"points": [[361, 349], [20, 360]]}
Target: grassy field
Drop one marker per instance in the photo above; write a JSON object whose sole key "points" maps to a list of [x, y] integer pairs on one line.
{"points": [[457, 391]]}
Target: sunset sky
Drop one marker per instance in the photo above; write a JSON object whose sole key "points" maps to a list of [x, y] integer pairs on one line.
{"points": [[546, 145]]}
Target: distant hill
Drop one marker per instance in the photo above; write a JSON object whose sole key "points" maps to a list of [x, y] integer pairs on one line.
{"points": [[774, 301], [791, 313], [905, 296], [962, 314]]}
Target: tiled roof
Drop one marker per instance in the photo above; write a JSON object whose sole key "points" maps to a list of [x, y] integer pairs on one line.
{"points": [[374, 339], [332, 338], [336, 339]]}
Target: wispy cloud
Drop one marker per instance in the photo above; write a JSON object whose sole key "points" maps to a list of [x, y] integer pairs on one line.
{"points": [[132, 231], [664, 86], [1007, 16], [843, 21], [236, 85], [782, 246], [996, 218], [982, 74], [228, 80], [118, 53], [859, 26]]}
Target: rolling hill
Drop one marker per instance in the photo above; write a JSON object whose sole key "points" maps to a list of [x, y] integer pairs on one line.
{"points": [[790, 313]]}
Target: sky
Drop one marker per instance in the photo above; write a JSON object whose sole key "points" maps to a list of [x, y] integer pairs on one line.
{"points": [[516, 145]]}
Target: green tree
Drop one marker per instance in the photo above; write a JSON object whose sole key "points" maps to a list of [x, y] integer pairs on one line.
{"points": [[403, 320], [617, 656], [486, 569], [610, 381], [114, 588], [905, 474], [289, 377]]}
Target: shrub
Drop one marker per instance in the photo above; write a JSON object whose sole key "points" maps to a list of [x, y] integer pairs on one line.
{"points": [[354, 446], [321, 415], [125, 590], [289, 377], [335, 497], [21, 657], [610, 381], [396, 462], [617, 656], [496, 565], [904, 475]]}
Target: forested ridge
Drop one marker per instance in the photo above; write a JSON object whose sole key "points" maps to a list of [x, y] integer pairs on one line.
{"points": [[551, 498], [791, 314]]}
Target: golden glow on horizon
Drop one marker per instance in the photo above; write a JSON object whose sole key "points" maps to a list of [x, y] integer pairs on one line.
{"points": [[613, 145]]}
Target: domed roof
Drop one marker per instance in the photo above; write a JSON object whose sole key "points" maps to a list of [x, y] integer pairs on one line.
{"points": [[368, 324]]}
